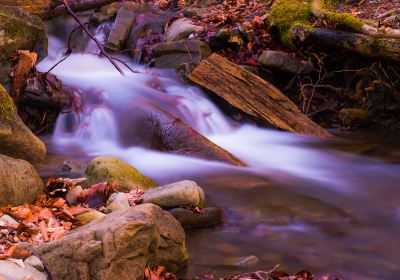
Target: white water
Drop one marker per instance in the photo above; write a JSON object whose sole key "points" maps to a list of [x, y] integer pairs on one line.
{"points": [[95, 130]]}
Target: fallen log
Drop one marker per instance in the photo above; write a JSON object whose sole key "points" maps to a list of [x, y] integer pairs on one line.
{"points": [[48, 9], [253, 95], [360, 44]]}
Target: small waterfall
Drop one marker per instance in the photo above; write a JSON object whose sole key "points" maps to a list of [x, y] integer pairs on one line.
{"points": [[103, 92]]}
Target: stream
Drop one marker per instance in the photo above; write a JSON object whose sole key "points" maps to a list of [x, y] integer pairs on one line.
{"points": [[300, 202]]}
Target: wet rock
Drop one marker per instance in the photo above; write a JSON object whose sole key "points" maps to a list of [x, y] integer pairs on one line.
{"points": [[72, 166], [35, 262], [119, 246], [175, 195], [227, 38], [19, 182], [107, 168], [117, 201], [16, 140], [142, 31], [150, 126], [105, 13], [12, 271], [285, 62], [90, 216], [355, 117], [172, 54], [120, 31], [19, 31], [181, 29], [209, 216]]}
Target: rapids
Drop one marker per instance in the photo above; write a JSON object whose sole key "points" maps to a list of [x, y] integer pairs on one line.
{"points": [[299, 202]]}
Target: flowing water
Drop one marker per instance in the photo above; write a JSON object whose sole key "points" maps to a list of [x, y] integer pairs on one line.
{"points": [[300, 202]]}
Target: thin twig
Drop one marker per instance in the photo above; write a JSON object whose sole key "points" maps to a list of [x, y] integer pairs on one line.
{"points": [[67, 53], [99, 45]]}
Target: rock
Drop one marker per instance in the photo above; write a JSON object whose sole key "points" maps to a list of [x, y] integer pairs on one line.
{"points": [[150, 126], [35, 262], [12, 271], [355, 117], [175, 195], [19, 182], [117, 201], [16, 140], [227, 38], [7, 220], [105, 13], [181, 29], [19, 31], [210, 216], [107, 168], [118, 247], [120, 31], [75, 167], [172, 54], [146, 29], [90, 216], [284, 62]]}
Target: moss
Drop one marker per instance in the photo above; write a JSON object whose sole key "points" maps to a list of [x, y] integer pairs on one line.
{"points": [[6, 104], [107, 168], [286, 14], [344, 19]]}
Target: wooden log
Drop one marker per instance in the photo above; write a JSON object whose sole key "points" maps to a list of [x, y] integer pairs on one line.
{"points": [[253, 95], [36, 7], [48, 9], [360, 44]]}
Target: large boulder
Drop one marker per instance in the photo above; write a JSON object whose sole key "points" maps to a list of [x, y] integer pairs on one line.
{"points": [[19, 31], [19, 182], [16, 140], [107, 168], [11, 271], [172, 54], [120, 246]]}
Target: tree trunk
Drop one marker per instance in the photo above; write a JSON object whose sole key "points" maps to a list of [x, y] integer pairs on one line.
{"points": [[253, 95], [360, 44]]}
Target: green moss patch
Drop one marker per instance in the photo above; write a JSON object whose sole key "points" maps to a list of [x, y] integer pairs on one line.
{"points": [[286, 14], [6, 104]]}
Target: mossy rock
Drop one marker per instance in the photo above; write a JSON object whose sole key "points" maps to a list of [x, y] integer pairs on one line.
{"points": [[16, 139], [19, 31], [19, 182], [107, 168]]}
